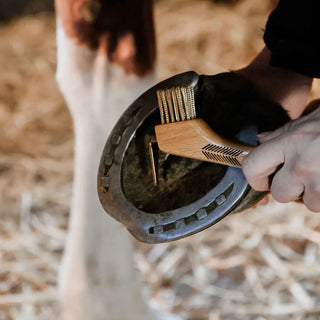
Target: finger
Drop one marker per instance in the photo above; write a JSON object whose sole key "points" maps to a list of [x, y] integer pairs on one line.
{"points": [[261, 163], [311, 197], [285, 186]]}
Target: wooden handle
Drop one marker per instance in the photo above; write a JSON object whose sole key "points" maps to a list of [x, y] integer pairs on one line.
{"points": [[195, 139]]}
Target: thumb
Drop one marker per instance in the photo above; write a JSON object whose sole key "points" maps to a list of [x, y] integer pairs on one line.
{"points": [[269, 135]]}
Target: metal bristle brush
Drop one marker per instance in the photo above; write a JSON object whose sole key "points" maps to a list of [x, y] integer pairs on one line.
{"points": [[176, 104], [183, 135]]}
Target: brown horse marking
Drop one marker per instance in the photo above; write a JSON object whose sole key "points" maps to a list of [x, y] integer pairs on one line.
{"points": [[122, 29]]}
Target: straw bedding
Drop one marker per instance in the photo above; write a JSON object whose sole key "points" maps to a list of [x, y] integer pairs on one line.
{"points": [[260, 264]]}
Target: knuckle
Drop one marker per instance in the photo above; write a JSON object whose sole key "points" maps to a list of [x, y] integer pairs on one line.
{"points": [[278, 193], [302, 168], [254, 178], [251, 164], [284, 189], [279, 196], [299, 169], [259, 186], [245, 164], [314, 207], [312, 198], [248, 168]]}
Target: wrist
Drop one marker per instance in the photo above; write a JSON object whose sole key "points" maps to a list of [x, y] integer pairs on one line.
{"points": [[284, 86]]}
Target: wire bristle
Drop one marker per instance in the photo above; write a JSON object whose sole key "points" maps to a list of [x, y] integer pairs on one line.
{"points": [[176, 104]]}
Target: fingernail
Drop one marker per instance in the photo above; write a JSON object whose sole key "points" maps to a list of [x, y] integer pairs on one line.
{"points": [[262, 135]]}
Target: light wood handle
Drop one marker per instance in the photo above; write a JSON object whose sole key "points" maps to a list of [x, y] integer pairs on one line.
{"points": [[195, 139]]}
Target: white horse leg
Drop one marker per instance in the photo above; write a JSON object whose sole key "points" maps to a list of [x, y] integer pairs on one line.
{"points": [[98, 279]]}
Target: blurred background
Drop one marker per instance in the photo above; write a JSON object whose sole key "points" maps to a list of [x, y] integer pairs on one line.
{"points": [[260, 264]]}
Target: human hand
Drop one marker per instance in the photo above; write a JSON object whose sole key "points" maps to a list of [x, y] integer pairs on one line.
{"points": [[292, 155]]}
